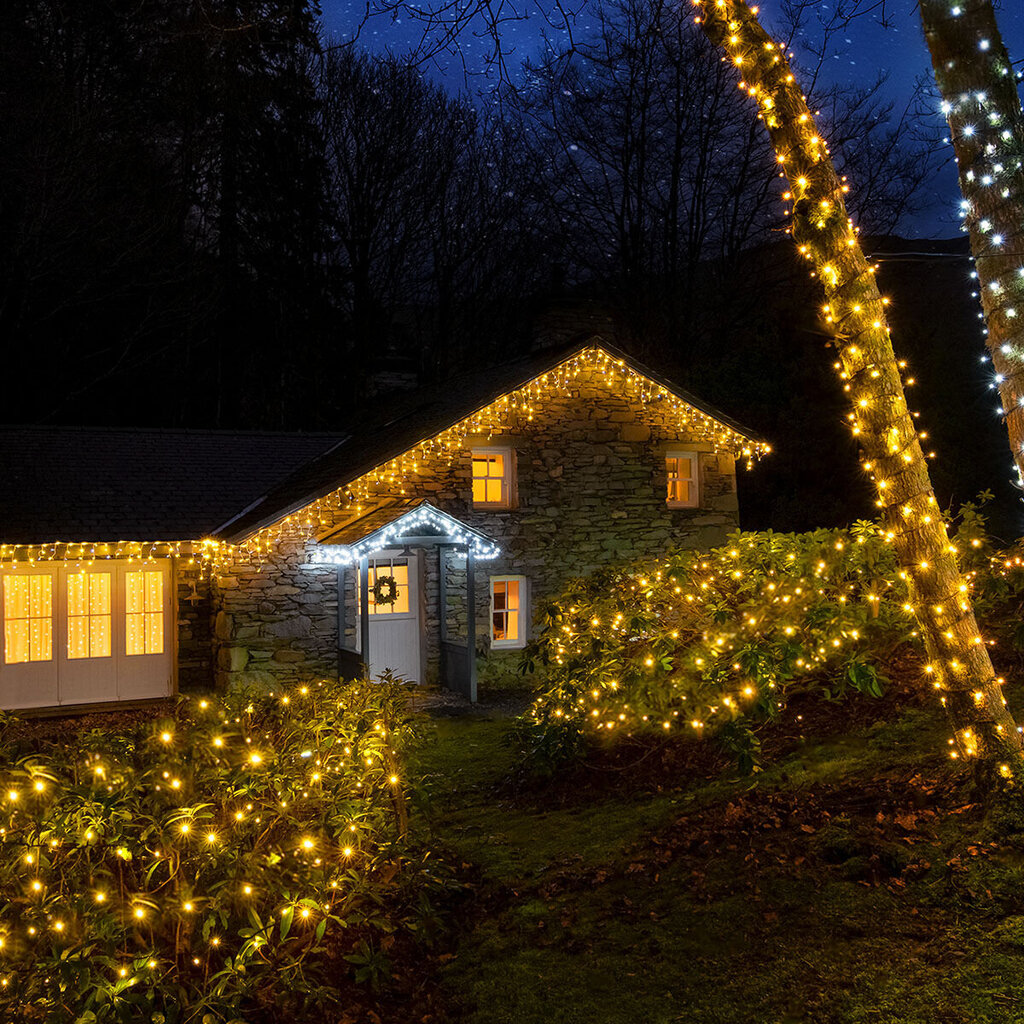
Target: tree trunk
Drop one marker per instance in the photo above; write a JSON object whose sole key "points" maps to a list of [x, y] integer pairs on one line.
{"points": [[978, 85], [959, 665]]}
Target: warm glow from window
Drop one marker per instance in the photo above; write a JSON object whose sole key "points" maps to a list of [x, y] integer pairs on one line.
{"points": [[505, 617], [491, 478], [144, 612], [681, 471], [28, 618], [508, 608], [401, 575], [89, 617]]}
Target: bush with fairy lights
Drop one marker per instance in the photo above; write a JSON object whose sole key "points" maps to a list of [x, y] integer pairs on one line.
{"points": [[704, 642], [229, 863]]}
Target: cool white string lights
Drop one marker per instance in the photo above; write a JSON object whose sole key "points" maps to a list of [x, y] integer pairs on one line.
{"points": [[412, 524]]}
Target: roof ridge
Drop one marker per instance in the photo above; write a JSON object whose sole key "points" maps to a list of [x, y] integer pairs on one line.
{"points": [[321, 475]]}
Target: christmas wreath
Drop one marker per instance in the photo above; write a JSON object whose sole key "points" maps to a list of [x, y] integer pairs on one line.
{"points": [[385, 590]]}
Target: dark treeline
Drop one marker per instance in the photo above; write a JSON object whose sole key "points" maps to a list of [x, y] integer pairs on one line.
{"points": [[210, 216]]}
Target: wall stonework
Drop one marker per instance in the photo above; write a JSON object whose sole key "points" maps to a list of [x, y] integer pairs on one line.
{"points": [[591, 490], [195, 653]]}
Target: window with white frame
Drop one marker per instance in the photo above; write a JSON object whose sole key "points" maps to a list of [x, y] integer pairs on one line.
{"points": [[28, 618], [144, 612], [90, 615], [682, 470], [493, 477], [508, 611]]}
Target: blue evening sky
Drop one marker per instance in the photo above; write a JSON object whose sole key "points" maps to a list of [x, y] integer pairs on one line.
{"points": [[897, 48]]}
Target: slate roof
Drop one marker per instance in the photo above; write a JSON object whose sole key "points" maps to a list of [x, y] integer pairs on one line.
{"points": [[86, 484], [95, 484], [403, 423]]}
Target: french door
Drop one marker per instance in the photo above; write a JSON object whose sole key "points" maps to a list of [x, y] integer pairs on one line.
{"points": [[82, 633]]}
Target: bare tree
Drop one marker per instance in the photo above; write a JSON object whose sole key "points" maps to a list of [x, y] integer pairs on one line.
{"points": [[427, 224], [372, 116], [659, 179]]}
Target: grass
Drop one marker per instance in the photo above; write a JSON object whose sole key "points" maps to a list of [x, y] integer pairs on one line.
{"points": [[853, 882]]}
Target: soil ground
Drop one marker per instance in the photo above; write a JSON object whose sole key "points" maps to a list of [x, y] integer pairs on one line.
{"points": [[854, 881]]}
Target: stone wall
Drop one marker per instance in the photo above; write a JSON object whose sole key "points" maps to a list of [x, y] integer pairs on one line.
{"points": [[195, 651], [591, 490]]}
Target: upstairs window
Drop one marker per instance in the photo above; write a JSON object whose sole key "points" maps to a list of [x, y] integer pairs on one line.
{"points": [[508, 611], [493, 477], [681, 471]]}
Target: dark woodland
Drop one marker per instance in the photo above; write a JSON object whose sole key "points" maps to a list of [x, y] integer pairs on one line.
{"points": [[211, 216]]}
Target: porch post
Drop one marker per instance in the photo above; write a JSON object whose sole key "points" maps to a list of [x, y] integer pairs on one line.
{"points": [[364, 609], [470, 624], [442, 590], [341, 616]]}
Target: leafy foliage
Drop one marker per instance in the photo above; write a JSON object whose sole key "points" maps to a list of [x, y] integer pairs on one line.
{"points": [[703, 641], [717, 641], [210, 865]]}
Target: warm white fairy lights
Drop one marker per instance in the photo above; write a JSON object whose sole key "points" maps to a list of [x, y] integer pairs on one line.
{"points": [[880, 419], [203, 553], [708, 634], [114, 858], [398, 477], [509, 413]]}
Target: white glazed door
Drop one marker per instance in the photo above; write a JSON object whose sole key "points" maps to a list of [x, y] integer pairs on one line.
{"points": [[84, 633], [28, 668], [145, 650], [395, 630], [87, 634]]}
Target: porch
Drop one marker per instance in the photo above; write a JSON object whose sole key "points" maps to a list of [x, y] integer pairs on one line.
{"points": [[407, 594]]}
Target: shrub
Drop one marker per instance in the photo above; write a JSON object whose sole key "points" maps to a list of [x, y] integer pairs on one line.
{"points": [[199, 868], [700, 641]]}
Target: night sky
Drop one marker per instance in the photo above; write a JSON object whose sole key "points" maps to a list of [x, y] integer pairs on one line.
{"points": [[868, 48]]}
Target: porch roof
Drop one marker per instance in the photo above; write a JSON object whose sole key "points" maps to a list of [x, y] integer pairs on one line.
{"points": [[400, 523]]}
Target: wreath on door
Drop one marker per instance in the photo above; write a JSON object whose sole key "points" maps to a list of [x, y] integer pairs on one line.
{"points": [[385, 590]]}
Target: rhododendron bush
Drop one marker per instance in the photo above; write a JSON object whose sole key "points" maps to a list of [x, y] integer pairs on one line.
{"points": [[702, 642], [242, 856]]}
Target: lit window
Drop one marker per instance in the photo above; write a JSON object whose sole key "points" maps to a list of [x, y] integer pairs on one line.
{"points": [[508, 611], [89, 615], [28, 618], [144, 612], [681, 470], [399, 571], [492, 477]]}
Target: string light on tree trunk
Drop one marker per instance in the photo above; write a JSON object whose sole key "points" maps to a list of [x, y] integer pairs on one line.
{"points": [[981, 103], [879, 419]]}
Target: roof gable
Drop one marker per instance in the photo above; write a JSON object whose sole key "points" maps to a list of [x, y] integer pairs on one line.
{"points": [[400, 523], [474, 403]]}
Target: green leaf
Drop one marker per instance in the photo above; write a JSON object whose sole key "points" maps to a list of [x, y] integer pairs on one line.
{"points": [[286, 922]]}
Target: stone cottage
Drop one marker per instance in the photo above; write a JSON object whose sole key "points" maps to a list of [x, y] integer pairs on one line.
{"points": [[420, 541]]}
